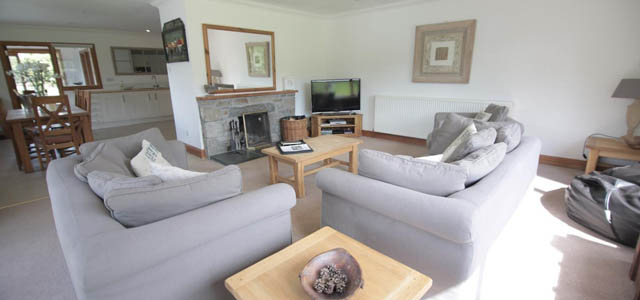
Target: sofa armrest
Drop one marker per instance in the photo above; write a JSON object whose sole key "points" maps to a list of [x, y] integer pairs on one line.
{"points": [[179, 153], [112, 256], [448, 218]]}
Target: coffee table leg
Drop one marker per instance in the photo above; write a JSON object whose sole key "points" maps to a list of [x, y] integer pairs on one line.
{"points": [[273, 170], [298, 179], [353, 160]]}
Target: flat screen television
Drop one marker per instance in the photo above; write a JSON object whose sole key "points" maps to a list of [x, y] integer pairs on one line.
{"points": [[335, 95]]}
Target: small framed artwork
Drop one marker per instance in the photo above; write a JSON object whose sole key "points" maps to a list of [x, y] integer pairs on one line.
{"points": [[443, 52], [175, 41], [258, 59]]}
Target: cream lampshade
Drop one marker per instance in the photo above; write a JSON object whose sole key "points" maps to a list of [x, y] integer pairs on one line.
{"points": [[630, 89]]}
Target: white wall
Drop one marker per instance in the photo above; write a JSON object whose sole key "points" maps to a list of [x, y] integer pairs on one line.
{"points": [[558, 61], [301, 47], [103, 40]]}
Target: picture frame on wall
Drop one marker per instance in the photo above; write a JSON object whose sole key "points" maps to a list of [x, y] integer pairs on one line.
{"points": [[443, 52], [174, 40], [258, 59]]}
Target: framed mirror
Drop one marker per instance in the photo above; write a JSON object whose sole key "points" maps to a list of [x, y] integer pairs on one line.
{"points": [[78, 66], [239, 59], [139, 61]]}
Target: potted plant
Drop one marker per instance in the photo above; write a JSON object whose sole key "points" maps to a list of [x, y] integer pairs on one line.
{"points": [[37, 73]]}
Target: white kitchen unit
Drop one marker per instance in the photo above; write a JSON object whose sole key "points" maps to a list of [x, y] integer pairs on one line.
{"points": [[128, 107]]}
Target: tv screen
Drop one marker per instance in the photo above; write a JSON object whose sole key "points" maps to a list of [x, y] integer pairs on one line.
{"points": [[335, 95]]}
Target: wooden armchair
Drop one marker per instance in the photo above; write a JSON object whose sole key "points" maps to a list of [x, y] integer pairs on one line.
{"points": [[55, 129]]}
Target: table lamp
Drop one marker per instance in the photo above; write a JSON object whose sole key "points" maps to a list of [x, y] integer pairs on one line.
{"points": [[630, 89]]}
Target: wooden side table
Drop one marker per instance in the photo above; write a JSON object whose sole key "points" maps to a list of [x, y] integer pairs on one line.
{"points": [[608, 147], [276, 277]]}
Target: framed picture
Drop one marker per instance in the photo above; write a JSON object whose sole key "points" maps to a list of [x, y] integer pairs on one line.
{"points": [[443, 52], [258, 59], [175, 41]]}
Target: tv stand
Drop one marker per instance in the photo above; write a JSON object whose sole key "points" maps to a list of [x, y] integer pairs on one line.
{"points": [[332, 114], [347, 124]]}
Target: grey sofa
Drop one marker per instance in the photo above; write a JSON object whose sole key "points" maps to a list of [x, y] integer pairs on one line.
{"points": [[446, 238], [187, 256]]}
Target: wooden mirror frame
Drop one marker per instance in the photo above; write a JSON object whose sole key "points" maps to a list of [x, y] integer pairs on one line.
{"points": [[95, 71], [207, 57]]}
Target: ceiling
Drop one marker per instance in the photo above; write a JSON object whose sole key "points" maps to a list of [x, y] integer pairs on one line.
{"points": [[328, 7], [139, 15], [129, 15]]}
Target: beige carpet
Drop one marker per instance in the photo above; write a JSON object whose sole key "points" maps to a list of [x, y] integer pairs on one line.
{"points": [[540, 255]]}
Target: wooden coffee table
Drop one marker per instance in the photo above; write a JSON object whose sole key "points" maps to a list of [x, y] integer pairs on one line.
{"points": [[276, 277], [325, 148]]}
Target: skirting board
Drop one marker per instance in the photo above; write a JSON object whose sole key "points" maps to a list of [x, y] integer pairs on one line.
{"points": [[544, 159], [201, 153]]}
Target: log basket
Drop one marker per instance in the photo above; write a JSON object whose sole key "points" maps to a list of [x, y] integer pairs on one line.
{"points": [[294, 128]]}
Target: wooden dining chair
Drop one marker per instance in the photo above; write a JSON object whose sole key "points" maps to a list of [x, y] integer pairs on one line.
{"points": [[55, 128], [82, 100], [28, 137]]}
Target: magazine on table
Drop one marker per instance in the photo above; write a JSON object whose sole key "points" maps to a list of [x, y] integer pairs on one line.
{"points": [[294, 147]]}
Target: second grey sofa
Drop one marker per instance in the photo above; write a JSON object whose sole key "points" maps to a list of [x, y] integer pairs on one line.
{"points": [[187, 256], [446, 238]]}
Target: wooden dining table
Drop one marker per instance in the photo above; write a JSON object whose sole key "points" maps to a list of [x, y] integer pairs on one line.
{"points": [[19, 119]]}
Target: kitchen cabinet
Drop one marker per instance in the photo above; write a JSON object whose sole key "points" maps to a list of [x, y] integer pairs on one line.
{"points": [[127, 107]]}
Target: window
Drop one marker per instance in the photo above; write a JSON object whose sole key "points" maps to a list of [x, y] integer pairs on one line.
{"points": [[76, 65], [25, 54], [138, 61]]}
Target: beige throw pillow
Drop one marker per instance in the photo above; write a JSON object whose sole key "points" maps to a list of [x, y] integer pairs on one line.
{"points": [[466, 133], [141, 163]]}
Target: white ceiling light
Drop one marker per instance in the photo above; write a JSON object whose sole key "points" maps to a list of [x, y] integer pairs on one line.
{"points": [[147, 30]]}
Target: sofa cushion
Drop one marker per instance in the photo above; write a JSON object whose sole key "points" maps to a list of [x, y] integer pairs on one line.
{"points": [[170, 173], [105, 157], [141, 163], [435, 178], [472, 143], [498, 112], [138, 206], [509, 132], [100, 182], [433, 158], [462, 138], [132, 144], [482, 161], [482, 116], [447, 132]]}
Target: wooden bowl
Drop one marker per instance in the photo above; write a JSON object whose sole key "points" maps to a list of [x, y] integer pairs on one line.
{"points": [[343, 261]]}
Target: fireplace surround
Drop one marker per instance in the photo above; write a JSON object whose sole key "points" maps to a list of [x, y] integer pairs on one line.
{"points": [[216, 112]]}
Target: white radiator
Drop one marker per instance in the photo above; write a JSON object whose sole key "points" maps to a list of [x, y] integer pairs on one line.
{"points": [[413, 116]]}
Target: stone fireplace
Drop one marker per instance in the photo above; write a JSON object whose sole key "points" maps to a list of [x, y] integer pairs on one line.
{"points": [[217, 112]]}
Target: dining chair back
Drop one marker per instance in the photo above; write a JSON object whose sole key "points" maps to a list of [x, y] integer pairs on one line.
{"points": [[55, 127]]}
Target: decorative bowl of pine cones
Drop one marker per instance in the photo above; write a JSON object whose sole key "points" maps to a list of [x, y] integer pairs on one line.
{"points": [[334, 274]]}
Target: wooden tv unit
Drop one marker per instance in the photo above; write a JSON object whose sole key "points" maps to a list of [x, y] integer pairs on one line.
{"points": [[321, 122]]}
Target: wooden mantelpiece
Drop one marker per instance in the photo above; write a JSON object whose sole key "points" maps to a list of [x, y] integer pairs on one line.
{"points": [[243, 95]]}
